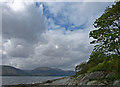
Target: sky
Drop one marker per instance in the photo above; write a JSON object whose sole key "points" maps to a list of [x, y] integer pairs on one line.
{"points": [[48, 34]]}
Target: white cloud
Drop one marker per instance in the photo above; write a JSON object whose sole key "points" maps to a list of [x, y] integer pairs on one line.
{"points": [[28, 44], [77, 13], [27, 24], [60, 50], [21, 28], [16, 6], [18, 48]]}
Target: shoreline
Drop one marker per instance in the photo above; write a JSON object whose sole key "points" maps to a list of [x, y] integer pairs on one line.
{"points": [[14, 80], [98, 78], [36, 84]]}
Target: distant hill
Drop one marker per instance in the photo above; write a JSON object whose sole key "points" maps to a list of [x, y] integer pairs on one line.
{"points": [[40, 71], [51, 72], [12, 71]]}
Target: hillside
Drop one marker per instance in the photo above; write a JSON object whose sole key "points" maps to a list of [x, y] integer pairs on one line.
{"points": [[40, 71], [12, 71], [51, 72]]}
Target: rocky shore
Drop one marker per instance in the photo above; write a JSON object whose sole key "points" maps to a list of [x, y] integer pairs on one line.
{"points": [[92, 79]]}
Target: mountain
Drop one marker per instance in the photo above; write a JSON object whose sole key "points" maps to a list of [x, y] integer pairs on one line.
{"points": [[40, 71], [51, 72], [12, 71]]}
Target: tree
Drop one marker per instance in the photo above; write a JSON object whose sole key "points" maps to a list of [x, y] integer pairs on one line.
{"points": [[80, 66], [107, 35]]}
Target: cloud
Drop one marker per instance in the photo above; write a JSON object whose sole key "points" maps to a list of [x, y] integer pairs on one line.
{"points": [[18, 48], [22, 25], [0, 49], [63, 50], [26, 23], [52, 34], [58, 50], [75, 15]]}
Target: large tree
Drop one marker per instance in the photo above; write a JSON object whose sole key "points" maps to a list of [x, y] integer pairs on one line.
{"points": [[107, 35]]}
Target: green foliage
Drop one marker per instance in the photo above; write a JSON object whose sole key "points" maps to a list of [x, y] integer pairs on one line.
{"points": [[95, 59], [107, 37], [98, 57], [106, 54], [80, 66], [100, 64], [83, 70], [112, 65]]}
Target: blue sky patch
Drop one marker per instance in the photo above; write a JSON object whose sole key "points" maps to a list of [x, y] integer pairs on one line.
{"points": [[60, 20]]}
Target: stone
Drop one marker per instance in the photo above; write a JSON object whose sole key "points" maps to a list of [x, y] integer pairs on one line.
{"points": [[109, 75], [96, 75], [94, 83], [117, 83]]}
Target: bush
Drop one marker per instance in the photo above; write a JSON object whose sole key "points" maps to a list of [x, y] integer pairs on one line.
{"points": [[112, 65]]}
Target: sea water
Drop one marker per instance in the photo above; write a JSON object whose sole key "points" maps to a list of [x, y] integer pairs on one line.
{"points": [[12, 80]]}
